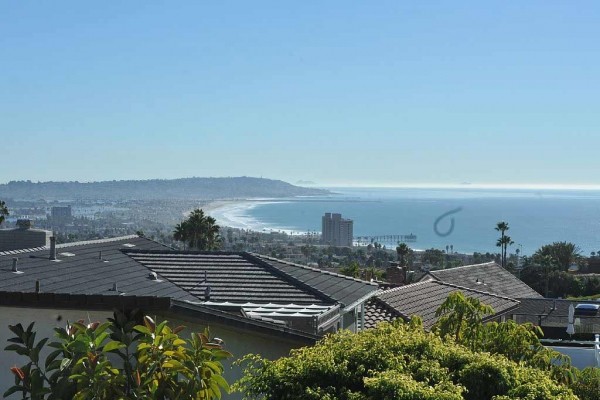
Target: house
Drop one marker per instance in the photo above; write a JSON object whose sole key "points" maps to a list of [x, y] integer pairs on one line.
{"points": [[255, 304], [424, 298], [488, 277]]}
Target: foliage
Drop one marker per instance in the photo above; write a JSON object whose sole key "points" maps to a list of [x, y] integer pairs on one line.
{"points": [[352, 269], [503, 242], [395, 361], [403, 252], [460, 317], [544, 274], [587, 386], [3, 211], [156, 363], [563, 254], [434, 257], [198, 231]]}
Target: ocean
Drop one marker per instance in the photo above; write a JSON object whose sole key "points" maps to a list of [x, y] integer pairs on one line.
{"points": [[536, 217]]}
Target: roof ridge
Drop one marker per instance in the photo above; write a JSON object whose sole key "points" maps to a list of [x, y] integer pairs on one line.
{"points": [[313, 269], [448, 284], [20, 251], [69, 244], [464, 266], [397, 289], [95, 241], [475, 290]]}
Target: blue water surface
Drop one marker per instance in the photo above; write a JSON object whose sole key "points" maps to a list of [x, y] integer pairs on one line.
{"points": [[536, 217]]}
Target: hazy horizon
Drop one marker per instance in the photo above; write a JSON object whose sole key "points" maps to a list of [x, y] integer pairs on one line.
{"points": [[396, 185], [384, 93]]}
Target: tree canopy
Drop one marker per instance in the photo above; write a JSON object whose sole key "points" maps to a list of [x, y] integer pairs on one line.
{"points": [[3, 211], [494, 361], [199, 232]]}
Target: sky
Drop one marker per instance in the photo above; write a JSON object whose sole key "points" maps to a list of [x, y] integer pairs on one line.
{"points": [[334, 92]]}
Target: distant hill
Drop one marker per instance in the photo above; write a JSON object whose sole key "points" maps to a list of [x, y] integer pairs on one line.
{"points": [[186, 188]]}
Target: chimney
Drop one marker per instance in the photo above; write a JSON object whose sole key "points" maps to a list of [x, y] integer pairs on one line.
{"points": [[53, 248], [15, 267]]}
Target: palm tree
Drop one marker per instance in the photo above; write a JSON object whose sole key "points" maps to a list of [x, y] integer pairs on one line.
{"points": [[3, 211], [198, 232], [503, 242], [402, 250], [563, 253]]}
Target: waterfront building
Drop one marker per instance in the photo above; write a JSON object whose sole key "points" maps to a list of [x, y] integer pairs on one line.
{"points": [[336, 231]]}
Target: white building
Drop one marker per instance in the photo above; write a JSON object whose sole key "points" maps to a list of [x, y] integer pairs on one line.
{"points": [[336, 231]]}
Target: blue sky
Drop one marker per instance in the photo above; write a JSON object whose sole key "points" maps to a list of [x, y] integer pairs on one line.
{"points": [[342, 92]]}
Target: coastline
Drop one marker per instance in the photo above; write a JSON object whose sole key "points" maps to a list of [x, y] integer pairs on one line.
{"points": [[235, 214]]}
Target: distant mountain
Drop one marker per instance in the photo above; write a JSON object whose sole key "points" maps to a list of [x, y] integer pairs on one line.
{"points": [[186, 188], [307, 183]]}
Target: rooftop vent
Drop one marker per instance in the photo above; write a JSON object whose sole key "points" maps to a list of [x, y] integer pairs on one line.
{"points": [[67, 254], [128, 245], [52, 248], [15, 266], [153, 276]]}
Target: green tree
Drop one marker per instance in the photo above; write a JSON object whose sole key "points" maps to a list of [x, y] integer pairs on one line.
{"points": [[503, 242], [563, 254], [156, 363], [199, 232], [395, 361], [460, 318], [352, 269], [3, 211], [403, 251]]}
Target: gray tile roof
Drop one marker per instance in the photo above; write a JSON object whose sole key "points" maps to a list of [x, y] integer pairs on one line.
{"points": [[377, 311], [243, 278], [231, 276], [488, 277], [81, 271], [424, 298], [551, 312], [341, 288]]}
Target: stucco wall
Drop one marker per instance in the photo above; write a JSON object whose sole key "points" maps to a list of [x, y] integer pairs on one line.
{"points": [[237, 342], [581, 357]]}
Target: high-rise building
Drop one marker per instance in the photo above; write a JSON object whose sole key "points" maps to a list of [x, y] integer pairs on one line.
{"points": [[62, 215], [336, 231]]}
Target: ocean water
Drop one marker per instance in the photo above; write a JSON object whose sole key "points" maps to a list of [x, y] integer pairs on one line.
{"points": [[535, 217]]}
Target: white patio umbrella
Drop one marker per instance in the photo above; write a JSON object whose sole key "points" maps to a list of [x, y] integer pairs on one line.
{"points": [[570, 326]]}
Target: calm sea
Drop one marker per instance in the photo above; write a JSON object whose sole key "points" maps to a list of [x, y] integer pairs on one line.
{"points": [[536, 217]]}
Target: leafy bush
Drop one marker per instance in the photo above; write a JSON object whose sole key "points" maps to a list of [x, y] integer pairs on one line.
{"points": [[154, 362], [395, 361], [587, 386]]}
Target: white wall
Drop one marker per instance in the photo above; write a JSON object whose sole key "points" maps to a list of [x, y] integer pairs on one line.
{"points": [[581, 357]]}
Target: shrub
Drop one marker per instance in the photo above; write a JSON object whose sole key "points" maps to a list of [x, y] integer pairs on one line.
{"points": [[155, 362]]}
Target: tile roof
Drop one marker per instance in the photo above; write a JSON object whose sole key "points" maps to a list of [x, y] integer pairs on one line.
{"points": [[244, 277], [377, 311], [488, 277], [341, 288], [550, 312], [424, 298], [81, 271]]}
